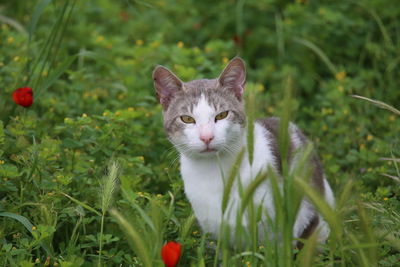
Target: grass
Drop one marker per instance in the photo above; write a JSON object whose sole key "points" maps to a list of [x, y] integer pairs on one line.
{"points": [[90, 66]]}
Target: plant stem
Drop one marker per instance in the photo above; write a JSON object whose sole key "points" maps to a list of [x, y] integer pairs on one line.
{"points": [[101, 239]]}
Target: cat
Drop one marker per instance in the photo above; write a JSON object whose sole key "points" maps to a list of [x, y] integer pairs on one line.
{"points": [[206, 122]]}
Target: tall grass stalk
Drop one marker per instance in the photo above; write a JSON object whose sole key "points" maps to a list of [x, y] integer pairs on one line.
{"points": [[135, 238], [43, 64], [107, 189], [379, 104]]}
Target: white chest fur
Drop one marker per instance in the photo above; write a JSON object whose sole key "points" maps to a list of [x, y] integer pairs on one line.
{"points": [[204, 184]]}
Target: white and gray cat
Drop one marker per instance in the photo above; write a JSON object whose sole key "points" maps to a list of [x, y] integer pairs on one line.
{"points": [[205, 120]]}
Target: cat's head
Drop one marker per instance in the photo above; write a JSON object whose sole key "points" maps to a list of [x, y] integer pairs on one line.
{"points": [[203, 117]]}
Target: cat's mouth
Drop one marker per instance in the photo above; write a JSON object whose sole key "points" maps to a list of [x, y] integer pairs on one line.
{"points": [[208, 150]]}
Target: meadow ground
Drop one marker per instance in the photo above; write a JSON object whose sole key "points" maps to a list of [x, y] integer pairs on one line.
{"points": [[88, 177]]}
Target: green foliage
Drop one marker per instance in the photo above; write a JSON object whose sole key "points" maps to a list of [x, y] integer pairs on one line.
{"points": [[89, 65]]}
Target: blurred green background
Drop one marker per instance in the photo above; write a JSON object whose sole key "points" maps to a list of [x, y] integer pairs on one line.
{"points": [[89, 64]]}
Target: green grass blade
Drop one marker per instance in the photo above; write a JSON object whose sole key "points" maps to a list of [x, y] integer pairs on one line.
{"points": [[136, 240], [37, 12], [250, 190], [307, 253], [23, 220], [250, 111], [28, 225], [378, 103], [322, 206], [86, 206], [143, 215], [13, 23], [187, 226], [317, 51], [231, 178], [363, 259]]}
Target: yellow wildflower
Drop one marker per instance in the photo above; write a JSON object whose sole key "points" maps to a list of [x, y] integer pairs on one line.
{"points": [[322, 11], [99, 39], [139, 42], [34, 228], [16, 58], [225, 60], [369, 137], [10, 40], [340, 75], [259, 87], [154, 44], [385, 198], [392, 118], [47, 262], [180, 44]]}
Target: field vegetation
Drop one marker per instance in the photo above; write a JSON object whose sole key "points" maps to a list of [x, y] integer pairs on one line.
{"points": [[88, 178]]}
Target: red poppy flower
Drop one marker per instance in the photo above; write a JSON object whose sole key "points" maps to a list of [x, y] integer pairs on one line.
{"points": [[170, 253], [23, 96]]}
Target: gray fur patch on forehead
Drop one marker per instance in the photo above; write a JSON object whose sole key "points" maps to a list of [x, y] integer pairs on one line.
{"points": [[184, 101], [201, 84]]}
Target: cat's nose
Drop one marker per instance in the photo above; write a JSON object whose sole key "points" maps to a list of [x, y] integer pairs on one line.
{"points": [[206, 138]]}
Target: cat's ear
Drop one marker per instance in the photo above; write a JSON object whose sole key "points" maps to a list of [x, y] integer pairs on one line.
{"points": [[234, 76], [166, 84]]}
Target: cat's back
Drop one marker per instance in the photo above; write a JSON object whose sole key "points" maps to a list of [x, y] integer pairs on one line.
{"points": [[296, 141]]}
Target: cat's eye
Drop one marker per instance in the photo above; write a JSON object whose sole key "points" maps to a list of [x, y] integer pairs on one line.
{"points": [[187, 119], [221, 115]]}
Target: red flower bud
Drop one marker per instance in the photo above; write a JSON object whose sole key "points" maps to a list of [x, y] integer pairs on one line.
{"points": [[170, 253], [23, 96]]}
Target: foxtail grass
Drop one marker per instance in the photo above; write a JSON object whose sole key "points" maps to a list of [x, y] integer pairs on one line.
{"points": [[108, 186]]}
